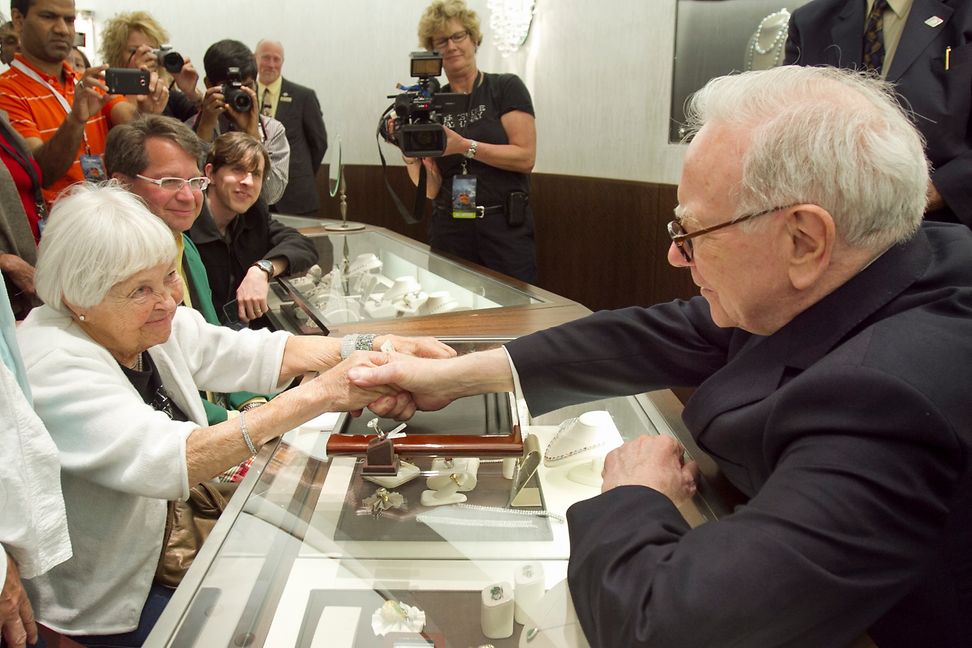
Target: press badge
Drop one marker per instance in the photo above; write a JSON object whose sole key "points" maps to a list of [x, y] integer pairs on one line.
{"points": [[93, 168], [464, 196]]}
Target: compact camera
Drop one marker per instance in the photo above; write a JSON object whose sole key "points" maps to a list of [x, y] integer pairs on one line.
{"points": [[233, 93], [419, 111], [169, 59]]}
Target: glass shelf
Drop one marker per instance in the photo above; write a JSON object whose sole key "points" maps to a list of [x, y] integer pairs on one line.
{"points": [[370, 276]]}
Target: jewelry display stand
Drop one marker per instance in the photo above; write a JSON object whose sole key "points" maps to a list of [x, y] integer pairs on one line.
{"points": [[406, 473], [345, 226], [556, 624], [590, 434], [467, 466], [444, 489], [497, 611], [588, 473], [527, 591], [767, 46], [381, 458]]}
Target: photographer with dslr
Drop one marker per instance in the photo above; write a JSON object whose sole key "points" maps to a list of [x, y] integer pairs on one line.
{"points": [[230, 103], [135, 40], [489, 153]]}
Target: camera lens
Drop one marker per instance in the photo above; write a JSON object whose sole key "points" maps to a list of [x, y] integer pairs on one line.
{"points": [[173, 62], [240, 101]]}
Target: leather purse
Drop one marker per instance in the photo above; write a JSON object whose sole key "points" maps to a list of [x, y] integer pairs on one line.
{"points": [[187, 525]]}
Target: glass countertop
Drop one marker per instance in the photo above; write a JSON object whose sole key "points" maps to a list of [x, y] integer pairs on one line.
{"points": [[370, 276], [300, 557]]}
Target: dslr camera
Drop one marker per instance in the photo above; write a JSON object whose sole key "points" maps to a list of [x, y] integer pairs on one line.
{"points": [[169, 59], [419, 111], [233, 93]]}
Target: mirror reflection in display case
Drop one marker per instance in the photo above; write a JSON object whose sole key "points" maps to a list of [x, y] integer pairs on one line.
{"points": [[369, 276], [336, 184], [717, 37]]}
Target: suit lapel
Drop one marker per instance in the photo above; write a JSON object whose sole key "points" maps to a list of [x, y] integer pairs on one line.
{"points": [[847, 36], [284, 108], [917, 35]]}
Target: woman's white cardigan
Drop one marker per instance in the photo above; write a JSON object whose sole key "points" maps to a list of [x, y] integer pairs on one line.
{"points": [[121, 460]]}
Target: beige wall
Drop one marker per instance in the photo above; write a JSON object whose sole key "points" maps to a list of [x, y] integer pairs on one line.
{"points": [[599, 72]]}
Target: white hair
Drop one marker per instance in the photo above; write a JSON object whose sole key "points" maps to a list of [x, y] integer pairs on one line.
{"points": [[835, 138], [95, 237]]}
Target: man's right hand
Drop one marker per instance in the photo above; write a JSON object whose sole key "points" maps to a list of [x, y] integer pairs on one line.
{"points": [[16, 615], [213, 105], [87, 100]]}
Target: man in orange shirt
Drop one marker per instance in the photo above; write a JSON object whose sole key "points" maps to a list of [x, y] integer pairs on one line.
{"points": [[64, 116]]}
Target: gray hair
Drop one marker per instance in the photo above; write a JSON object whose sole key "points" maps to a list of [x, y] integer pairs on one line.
{"points": [[97, 236], [125, 147], [835, 138]]}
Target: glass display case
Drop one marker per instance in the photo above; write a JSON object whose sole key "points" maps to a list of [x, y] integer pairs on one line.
{"points": [[455, 549], [372, 276]]}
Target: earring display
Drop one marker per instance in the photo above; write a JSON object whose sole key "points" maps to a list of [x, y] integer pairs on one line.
{"points": [[444, 489], [395, 616], [468, 466], [382, 500]]}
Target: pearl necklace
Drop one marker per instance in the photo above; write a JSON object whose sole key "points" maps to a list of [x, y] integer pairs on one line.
{"points": [[776, 45], [138, 363]]}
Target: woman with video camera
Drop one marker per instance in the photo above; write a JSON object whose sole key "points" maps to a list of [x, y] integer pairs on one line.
{"points": [[133, 40], [480, 186]]}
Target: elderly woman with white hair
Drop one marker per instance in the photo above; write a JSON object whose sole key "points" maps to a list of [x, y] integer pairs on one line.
{"points": [[115, 368]]}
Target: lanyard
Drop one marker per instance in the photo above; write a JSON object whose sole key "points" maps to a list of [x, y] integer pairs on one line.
{"points": [[60, 98]]}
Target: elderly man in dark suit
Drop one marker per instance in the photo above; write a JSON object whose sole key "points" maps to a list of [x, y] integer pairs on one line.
{"points": [[924, 48], [298, 109], [831, 348]]}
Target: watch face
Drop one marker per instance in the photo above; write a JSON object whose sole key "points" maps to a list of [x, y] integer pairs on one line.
{"points": [[265, 265]]}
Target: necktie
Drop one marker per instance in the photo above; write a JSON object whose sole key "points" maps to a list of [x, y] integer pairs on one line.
{"points": [[874, 37], [265, 108]]}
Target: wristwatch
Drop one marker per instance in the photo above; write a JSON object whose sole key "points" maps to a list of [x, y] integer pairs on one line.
{"points": [[471, 152], [266, 266]]}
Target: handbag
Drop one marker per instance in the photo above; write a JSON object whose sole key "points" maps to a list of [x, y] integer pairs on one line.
{"points": [[187, 525]]}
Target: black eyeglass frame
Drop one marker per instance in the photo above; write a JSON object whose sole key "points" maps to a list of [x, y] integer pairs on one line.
{"points": [[683, 239]]}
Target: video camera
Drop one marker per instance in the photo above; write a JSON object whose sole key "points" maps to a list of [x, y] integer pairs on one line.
{"points": [[419, 110], [233, 93], [169, 59]]}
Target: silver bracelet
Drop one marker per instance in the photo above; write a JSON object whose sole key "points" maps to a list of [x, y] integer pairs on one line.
{"points": [[246, 435], [356, 342]]}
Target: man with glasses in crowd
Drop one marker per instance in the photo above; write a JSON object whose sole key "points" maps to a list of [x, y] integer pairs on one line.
{"points": [[157, 158], [831, 349]]}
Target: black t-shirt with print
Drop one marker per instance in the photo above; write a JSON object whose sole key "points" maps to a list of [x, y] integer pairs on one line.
{"points": [[497, 95]]}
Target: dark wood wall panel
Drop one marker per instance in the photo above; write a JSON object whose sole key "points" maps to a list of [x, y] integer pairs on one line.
{"points": [[600, 242]]}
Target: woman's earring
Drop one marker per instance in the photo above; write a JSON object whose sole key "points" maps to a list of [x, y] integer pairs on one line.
{"points": [[81, 317]]}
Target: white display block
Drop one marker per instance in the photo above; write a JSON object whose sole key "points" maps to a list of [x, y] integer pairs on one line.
{"points": [[497, 611]]}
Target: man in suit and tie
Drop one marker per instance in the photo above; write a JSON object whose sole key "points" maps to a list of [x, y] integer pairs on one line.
{"points": [[922, 47], [298, 109], [831, 349]]}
